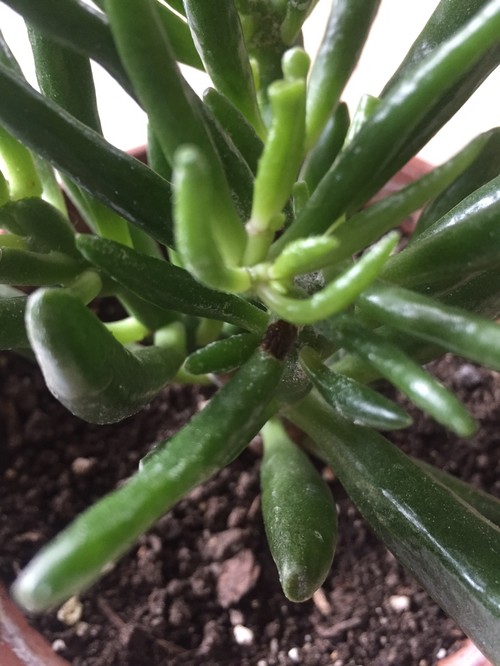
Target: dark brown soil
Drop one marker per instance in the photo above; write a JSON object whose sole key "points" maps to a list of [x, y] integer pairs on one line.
{"points": [[200, 587]]}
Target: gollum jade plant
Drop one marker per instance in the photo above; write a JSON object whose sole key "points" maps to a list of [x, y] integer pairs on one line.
{"points": [[245, 255]]}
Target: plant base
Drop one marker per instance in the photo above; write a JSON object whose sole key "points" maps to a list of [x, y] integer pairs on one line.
{"points": [[201, 586]]}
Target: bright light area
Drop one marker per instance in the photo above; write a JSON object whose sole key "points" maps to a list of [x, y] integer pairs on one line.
{"points": [[396, 26]]}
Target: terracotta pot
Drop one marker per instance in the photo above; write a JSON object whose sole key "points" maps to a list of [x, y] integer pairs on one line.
{"points": [[20, 644], [468, 655]]}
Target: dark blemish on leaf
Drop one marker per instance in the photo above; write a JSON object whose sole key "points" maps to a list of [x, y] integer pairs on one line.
{"points": [[279, 338]]}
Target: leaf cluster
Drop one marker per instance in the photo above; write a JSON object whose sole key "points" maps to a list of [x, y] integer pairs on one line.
{"points": [[248, 250]]}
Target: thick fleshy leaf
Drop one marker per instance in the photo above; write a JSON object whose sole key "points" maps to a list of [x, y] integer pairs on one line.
{"points": [[85, 368], [168, 286], [212, 439], [112, 176], [373, 157], [447, 546]]}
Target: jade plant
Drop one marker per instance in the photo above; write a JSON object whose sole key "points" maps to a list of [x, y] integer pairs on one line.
{"points": [[247, 254]]}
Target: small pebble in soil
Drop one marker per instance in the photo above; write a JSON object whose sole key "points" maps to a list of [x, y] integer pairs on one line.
{"points": [[82, 629], [82, 465], [294, 655], [468, 375], [58, 645], [321, 602], [237, 576], [243, 635], [483, 461], [441, 654], [399, 603], [235, 617], [70, 613]]}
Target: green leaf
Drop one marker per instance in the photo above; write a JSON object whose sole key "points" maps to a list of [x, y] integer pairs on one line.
{"points": [[373, 156], [303, 256], [346, 33], [296, 14], [25, 268], [222, 355], [446, 20], [12, 329], [354, 401], [173, 109], [397, 367], [445, 544], [236, 127], [454, 329], [213, 438], [278, 166], [118, 180], [463, 243], [195, 226], [78, 26], [368, 225], [238, 174], [168, 286], [324, 152], [487, 505], [217, 31], [299, 514], [484, 167], [335, 296], [65, 77], [43, 226], [85, 368], [16, 159]]}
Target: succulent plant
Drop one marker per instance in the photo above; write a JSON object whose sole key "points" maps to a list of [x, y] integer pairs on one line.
{"points": [[247, 254]]}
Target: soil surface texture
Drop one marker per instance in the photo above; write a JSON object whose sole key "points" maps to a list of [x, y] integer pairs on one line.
{"points": [[201, 587]]}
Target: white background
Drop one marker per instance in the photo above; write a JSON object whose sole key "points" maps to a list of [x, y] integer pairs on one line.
{"points": [[397, 24]]}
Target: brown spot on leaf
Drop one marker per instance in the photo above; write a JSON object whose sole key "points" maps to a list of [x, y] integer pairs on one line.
{"points": [[279, 338]]}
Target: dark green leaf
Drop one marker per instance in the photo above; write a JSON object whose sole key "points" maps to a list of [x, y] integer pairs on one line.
{"points": [[168, 286]]}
